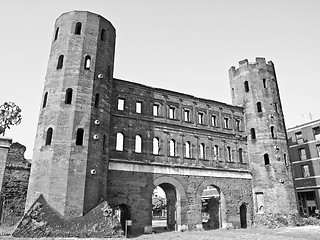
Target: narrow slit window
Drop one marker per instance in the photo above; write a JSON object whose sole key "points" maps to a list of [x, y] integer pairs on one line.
{"points": [[156, 146], [229, 154], [264, 83], [188, 152], [87, 62], [214, 120], [253, 133], [77, 30], [202, 151], [259, 108], [79, 138], [138, 144], [285, 159], [119, 142], [68, 98], [246, 86], [172, 148], [226, 122], [216, 152], [45, 99], [103, 35], [240, 155], [266, 159], [97, 100], [187, 115], [276, 107], [104, 143], [272, 132], [56, 34], [49, 136], [60, 62], [201, 118]]}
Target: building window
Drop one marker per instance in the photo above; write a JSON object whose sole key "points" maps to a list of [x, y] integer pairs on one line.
{"points": [[276, 107], [264, 83], [45, 98], [79, 138], [77, 30], [171, 112], [87, 62], [103, 35], [259, 108], [316, 133], [216, 152], [237, 121], [187, 115], [318, 150], [229, 156], [172, 148], [272, 132], [68, 98], [156, 146], [56, 34], [201, 118], [49, 136], [202, 151], [240, 155], [138, 107], [253, 133], [97, 100], [260, 202], [285, 159], [266, 159], [305, 171], [246, 86], [119, 142], [188, 150], [226, 122], [302, 154], [155, 110], [214, 120], [121, 104], [60, 62], [138, 144], [299, 138]]}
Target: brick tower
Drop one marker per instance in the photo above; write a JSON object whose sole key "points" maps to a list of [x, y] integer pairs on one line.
{"points": [[70, 159], [254, 87]]}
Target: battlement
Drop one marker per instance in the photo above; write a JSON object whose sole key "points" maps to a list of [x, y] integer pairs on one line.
{"points": [[245, 64]]}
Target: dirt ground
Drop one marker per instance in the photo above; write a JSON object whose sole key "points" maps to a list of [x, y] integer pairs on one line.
{"points": [[289, 233]]}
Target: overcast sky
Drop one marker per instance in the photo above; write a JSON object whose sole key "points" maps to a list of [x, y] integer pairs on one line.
{"points": [[181, 45]]}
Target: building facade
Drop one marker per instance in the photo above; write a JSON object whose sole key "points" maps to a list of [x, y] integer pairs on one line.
{"points": [[304, 148], [102, 138]]}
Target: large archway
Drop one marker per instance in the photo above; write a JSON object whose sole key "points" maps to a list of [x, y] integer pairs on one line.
{"points": [[210, 208]]}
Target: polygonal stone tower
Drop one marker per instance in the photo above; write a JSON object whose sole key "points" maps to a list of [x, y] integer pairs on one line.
{"points": [[70, 160], [254, 87]]}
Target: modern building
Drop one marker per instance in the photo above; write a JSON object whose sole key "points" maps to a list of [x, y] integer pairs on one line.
{"points": [[304, 149]]}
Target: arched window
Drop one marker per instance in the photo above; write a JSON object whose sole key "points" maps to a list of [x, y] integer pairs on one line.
{"points": [[264, 83], [56, 34], [45, 98], [49, 136], [259, 108], [240, 155], [138, 144], [202, 151], [79, 139], [188, 152], [216, 152], [266, 159], [172, 147], [87, 62], [77, 29], [60, 62], [156, 146], [246, 86], [272, 132], [103, 35], [68, 98], [229, 154], [96, 100], [253, 133], [119, 142]]}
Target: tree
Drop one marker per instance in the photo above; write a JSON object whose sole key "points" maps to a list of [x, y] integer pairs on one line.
{"points": [[10, 114]]}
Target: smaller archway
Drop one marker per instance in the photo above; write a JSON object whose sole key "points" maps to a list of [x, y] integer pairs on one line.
{"points": [[210, 208], [243, 215], [123, 214]]}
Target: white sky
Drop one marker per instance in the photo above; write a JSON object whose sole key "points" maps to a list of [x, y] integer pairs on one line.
{"points": [[181, 45]]}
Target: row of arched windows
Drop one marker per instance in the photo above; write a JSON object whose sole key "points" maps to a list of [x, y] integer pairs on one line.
{"points": [[79, 136], [77, 31], [87, 62], [246, 84], [253, 133], [172, 148], [68, 98]]}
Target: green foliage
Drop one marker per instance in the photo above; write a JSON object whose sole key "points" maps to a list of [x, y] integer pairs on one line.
{"points": [[10, 114]]}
